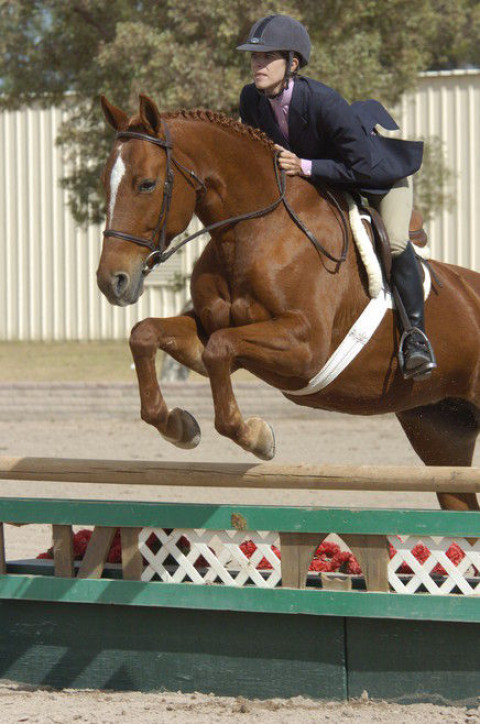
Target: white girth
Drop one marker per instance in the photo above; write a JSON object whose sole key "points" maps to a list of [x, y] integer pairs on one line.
{"points": [[363, 329]]}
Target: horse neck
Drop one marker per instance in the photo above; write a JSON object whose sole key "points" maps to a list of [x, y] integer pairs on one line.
{"points": [[237, 169], [239, 174]]}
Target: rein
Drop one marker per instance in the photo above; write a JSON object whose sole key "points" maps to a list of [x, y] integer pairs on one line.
{"points": [[159, 254]]}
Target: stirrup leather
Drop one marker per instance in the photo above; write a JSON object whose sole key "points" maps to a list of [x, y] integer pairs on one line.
{"points": [[423, 370]]}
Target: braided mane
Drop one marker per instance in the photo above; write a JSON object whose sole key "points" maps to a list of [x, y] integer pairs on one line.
{"points": [[220, 119]]}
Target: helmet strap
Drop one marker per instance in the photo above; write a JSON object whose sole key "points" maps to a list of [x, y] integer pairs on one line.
{"points": [[286, 77]]}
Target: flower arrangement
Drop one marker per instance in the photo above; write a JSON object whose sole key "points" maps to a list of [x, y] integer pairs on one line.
{"points": [[328, 557]]}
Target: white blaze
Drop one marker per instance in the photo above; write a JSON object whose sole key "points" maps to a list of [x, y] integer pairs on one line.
{"points": [[116, 176]]}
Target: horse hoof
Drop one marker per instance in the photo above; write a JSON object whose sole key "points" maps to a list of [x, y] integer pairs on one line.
{"points": [[182, 429], [261, 438]]}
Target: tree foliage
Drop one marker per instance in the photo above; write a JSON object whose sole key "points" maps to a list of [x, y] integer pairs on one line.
{"points": [[455, 35], [182, 53]]}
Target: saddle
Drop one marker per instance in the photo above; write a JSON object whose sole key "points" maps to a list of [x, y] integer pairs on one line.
{"points": [[418, 237]]}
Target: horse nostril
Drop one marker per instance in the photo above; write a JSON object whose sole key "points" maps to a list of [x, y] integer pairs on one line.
{"points": [[120, 282]]}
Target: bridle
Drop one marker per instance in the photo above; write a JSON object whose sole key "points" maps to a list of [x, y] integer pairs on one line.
{"points": [[161, 225], [159, 254]]}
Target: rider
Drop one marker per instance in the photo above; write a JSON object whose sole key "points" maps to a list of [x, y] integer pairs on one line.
{"points": [[323, 138]]}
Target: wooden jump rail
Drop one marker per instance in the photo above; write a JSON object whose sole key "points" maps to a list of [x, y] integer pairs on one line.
{"points": [[237, 475]]}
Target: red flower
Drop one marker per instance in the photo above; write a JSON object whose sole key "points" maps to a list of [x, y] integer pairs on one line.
{"points": [[80, 543], [422, 554], [248, 548], [81, 539], [328, 558], [115, 555]]}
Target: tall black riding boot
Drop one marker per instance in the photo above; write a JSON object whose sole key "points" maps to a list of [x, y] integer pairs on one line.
{"points": [[415, 353]]}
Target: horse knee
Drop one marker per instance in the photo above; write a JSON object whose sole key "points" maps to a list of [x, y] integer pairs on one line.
{"points": [[143, 337], [218, 351]]}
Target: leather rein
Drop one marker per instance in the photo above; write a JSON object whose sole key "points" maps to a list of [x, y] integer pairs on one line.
{"points": [[159, 254]]}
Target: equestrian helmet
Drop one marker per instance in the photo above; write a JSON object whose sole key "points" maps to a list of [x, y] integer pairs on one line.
{"points": [[279, 32]]}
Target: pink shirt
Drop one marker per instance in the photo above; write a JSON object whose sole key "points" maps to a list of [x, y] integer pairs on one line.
{"points": [[280, 107]]}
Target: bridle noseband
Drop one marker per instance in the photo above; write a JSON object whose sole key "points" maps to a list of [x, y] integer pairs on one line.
{"points": [[159, 254]]}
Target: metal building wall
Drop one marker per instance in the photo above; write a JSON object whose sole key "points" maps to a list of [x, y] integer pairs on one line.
{"points": [[447, 105], [47, 263], [48, 289]]}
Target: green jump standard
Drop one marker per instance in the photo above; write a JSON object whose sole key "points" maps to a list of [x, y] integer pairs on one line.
{"points": [[153, 636]]}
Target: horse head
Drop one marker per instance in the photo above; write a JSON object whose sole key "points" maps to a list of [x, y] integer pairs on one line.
{"points": [[147, 203]]}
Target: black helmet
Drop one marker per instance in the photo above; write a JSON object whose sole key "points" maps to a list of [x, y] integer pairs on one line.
{"points": [[279, 32]]}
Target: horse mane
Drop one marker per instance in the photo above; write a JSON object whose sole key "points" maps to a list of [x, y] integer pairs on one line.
{"points": [[220, 119]]}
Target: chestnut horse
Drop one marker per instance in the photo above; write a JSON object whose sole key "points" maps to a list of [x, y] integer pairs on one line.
{"points": [[264, 299]]}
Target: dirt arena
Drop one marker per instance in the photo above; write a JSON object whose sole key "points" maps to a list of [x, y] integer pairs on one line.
{"points": [[102, 421]]}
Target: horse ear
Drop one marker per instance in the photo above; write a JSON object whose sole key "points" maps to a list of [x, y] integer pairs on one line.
{"points": [[115, 117], [149, 114]]}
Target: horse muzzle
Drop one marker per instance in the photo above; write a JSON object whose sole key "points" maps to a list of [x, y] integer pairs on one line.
{"points": [[120, 287]]}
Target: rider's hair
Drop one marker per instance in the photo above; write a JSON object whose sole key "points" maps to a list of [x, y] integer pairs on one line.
{"points": [[287, 54]]}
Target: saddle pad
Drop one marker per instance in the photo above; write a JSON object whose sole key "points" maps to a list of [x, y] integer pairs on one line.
{"points": [[366, 249]]}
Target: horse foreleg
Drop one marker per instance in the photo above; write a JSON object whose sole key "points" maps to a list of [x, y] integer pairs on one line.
{"points": [[270, 347], [178, 337]]}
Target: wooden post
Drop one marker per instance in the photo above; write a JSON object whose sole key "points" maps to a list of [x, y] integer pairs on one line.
{"points": [[97, 552], [132, 562], [63, 550], [297, 551], [372, 553]]}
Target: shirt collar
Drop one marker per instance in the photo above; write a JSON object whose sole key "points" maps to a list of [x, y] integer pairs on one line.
{"points": [[283, 100]]}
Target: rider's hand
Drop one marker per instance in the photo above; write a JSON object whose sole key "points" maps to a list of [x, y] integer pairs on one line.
{"points": [[290, 163]]}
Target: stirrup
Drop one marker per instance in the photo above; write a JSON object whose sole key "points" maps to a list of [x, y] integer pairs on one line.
{"points": [[422, 371]]}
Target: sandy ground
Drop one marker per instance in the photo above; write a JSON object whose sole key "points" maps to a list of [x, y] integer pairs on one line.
{"points": [[93, 707], [116, 432]]}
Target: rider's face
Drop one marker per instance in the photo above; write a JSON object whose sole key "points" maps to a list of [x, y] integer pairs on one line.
{"points": [[268, 70]]}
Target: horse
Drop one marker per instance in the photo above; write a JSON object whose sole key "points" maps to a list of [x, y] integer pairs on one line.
{"points": [[264, 297]]}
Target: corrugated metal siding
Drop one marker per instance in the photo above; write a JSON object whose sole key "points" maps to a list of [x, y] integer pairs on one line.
{"points": [[447, 105], [47, 263]]}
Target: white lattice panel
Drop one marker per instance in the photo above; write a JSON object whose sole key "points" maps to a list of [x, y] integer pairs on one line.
{"points": [[221, 550], [456, 575]]}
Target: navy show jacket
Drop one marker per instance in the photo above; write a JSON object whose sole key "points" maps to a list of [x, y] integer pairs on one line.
{"points": [[339, 138]]}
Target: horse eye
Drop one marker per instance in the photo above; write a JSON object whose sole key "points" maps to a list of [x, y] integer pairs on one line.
{"points": [[147, 185]]}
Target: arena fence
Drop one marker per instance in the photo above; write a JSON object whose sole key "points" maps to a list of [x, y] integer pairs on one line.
{"points": [[224, 597]]}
